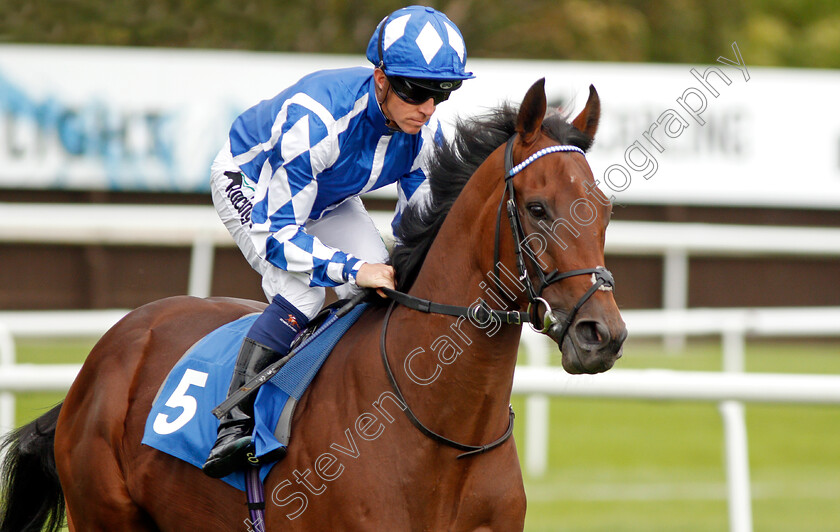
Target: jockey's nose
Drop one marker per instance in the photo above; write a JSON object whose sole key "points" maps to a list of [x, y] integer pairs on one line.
{"points": [[428, 107]]}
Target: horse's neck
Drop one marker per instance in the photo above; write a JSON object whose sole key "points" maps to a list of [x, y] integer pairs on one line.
{"points": [[469, 397]]}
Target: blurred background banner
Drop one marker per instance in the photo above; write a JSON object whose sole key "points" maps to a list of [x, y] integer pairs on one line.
{"points": [[127, 119], [131, 119]]}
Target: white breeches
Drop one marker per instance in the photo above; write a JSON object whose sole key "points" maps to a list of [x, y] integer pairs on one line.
{"points": [[348, 228]]}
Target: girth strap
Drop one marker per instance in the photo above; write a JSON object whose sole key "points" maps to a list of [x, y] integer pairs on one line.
{"points": [[254, 491], [469, 449]]}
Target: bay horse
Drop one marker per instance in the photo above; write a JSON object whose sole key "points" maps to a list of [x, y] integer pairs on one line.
{"points": [[355, 461]]}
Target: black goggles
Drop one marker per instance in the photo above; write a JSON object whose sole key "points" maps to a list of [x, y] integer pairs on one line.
{"points": [[417, 91]]}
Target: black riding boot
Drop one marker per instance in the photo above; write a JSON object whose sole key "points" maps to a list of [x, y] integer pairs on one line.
{"points": [[234, 437]]}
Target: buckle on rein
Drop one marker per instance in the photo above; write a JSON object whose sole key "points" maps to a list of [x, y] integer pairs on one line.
{"points": [[482, 313]]}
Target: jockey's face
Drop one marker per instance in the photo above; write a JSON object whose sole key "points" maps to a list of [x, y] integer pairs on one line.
{"points": [[408, 117]]}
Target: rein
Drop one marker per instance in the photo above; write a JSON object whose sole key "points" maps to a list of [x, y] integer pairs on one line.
{"points": [[481, 312], [469, 449], [602, 279]]}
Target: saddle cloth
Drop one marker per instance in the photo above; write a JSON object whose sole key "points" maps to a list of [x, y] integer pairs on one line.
{"points": [[180, 422]]}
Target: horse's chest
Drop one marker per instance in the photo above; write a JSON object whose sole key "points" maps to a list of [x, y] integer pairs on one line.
{"points": [[488, 500]]}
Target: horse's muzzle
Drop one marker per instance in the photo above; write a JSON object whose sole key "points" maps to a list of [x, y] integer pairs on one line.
{"points": [[589, 345]]}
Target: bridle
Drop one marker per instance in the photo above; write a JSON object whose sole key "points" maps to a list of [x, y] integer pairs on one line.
{"points": [[602, 279]]}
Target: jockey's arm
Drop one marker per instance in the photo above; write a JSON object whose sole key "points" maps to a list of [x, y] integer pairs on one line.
{"points": [[289, 247]]}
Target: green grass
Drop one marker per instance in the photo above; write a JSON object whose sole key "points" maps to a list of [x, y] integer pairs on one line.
{"points": [[32, 405], [658, 466], [655, 466]]}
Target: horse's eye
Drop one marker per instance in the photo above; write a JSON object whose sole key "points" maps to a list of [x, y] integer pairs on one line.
{"points": [[536, 210]]}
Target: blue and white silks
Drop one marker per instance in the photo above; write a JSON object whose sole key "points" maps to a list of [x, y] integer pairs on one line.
{"points": [[311, 147]]}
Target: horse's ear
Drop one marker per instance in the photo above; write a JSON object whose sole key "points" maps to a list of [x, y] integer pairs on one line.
{"points": [[587, 120], [532, 112]]}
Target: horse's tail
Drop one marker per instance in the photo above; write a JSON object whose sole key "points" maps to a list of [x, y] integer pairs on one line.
{"points": [[31, 492]]}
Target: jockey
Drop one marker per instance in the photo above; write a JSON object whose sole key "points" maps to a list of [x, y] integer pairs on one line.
{"points": [[287, 185]]}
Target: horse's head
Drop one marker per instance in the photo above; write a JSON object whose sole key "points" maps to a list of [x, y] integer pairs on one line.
{"points": [[562, 218]]}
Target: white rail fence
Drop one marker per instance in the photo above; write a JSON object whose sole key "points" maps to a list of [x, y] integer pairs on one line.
{"points": [[729, 388], [199, 228]]}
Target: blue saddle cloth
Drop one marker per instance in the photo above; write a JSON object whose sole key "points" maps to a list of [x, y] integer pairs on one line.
{"points": [[180, 422]]}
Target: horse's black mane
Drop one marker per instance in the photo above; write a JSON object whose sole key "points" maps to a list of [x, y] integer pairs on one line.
{"points": [[450, 169]]}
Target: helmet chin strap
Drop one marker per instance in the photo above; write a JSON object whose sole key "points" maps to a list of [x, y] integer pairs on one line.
{"points": [[388, 122]]}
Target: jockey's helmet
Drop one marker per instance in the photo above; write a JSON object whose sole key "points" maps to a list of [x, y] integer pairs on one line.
{"points": [[421, 43]]}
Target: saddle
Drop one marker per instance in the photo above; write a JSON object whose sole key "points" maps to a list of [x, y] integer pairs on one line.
{"points": [[180, 422], [315, 324]]}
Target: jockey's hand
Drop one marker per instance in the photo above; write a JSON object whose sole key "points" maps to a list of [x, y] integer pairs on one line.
{"points": [[376, 275]]}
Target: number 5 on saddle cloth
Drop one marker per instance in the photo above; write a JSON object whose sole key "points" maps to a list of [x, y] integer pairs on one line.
{"points": [[181, 422]]}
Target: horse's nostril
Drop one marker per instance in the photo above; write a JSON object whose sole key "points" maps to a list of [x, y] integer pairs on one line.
{"points": [[592, 334]]}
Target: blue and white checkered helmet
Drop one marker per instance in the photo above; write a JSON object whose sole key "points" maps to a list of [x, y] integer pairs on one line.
{"points": [[419, 42]]}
